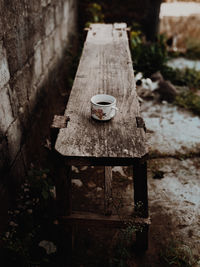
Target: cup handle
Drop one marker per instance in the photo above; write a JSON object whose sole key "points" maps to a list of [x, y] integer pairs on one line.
{"points": [[111, 113], [115, 108]]}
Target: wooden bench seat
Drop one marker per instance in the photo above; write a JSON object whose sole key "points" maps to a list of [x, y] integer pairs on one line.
{"points": [[105, 67]]}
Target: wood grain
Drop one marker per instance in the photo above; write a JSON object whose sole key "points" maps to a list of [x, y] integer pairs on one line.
{"points": [[107, 190], [87, 218], [105, 67]]}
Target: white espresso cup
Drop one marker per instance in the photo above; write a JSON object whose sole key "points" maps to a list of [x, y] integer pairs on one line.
{"points": [[103, 107]]}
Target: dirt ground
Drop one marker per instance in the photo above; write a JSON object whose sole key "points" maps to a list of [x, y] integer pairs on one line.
{"points": [[174, 200], [174, 196]]}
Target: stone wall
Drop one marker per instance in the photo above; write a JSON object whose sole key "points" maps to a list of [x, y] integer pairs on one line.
{"points": [[33, 38]]}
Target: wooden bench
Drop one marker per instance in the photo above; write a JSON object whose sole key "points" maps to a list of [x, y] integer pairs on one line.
{"points": [[105, 67]]}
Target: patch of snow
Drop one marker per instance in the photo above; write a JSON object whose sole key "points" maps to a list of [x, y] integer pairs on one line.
{"points": [[178, 193], [173, 130], [182, 63]]}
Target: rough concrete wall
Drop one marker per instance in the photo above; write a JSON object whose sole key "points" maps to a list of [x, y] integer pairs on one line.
{"points": [[33, 36]]}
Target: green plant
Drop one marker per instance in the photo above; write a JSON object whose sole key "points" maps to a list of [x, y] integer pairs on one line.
{"points": [[123, 249], [188, 77], [95, 13], [148, 57], [193, 48], [177, 254], [190, 101], [31, 235]]}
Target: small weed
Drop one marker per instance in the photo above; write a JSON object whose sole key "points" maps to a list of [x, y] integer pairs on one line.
{"points": [[188, 77], [193, 49], [95, 13], [176, 254], [190, 101], [31, 235], [148, 57]]}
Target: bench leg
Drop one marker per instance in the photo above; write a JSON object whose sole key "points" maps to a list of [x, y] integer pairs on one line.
{"points": [[107, 190], [63, 190], [64, 208], [141, 200]]}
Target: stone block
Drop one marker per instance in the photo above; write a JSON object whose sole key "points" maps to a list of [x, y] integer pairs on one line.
{"points": [[72, 23], [4, 70], [35, 31], [58, 43], [22, 86], [6, 115], [49, 23], [14, 136], [37, 64], [15, 44], [21, 83], [47, 51], [14, 13], [72, 6], [64, 32], [58, 13], [20, 40], [66, 11]]}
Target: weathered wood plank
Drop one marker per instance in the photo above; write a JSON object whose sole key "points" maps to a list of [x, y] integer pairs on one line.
{"points": [[105, 67], [87, 218], [107, 190], [141, 200], [63, 190], [140, 187]]}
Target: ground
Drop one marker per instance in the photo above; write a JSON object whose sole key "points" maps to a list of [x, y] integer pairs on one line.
{"points": [[173, 182]]}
